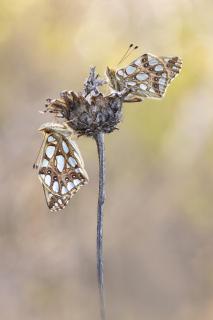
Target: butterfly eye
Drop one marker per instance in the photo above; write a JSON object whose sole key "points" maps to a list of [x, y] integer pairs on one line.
{"points": [[55, 178], [146, 65], [48, 171], [155, 85], [156, 78], [66, 179], [73, 175]]}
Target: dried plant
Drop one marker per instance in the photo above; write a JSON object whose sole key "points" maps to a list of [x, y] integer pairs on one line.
{"points": [[93, 114]]}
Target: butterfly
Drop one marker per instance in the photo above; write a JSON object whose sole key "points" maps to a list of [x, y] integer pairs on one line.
{"points": [[147, 76], [60, 166]]}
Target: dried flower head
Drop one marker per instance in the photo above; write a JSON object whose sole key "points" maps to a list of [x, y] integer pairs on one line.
{"points": [[89, 112]]}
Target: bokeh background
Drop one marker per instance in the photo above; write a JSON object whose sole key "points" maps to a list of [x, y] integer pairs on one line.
{"points": [[158, 228]]}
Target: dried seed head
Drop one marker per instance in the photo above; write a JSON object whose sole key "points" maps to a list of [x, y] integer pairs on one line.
{"points": [[89, 112], [88, 116]]}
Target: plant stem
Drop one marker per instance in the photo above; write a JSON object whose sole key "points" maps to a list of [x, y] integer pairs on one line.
{"points": [[101, 197]]}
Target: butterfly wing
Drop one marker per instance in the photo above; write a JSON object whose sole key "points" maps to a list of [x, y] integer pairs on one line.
{"points": [[56, 202], [61, 170], [148, 75]]}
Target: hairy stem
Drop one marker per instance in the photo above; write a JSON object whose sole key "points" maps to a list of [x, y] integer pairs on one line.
{"points": [[101, 197]]}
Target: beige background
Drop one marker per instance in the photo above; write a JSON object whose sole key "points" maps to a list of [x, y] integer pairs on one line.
{"points": [[158, 217]]}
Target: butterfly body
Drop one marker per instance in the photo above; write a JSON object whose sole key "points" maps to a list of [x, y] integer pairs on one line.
{"points": [[61, 167], [114, 82], [147, 76]]}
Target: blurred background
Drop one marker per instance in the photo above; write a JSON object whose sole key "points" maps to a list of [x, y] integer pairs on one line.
{"points": [[158, 228]]}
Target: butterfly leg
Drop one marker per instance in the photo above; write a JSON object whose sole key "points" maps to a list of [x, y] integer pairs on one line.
{"points": [[128, 95], [133, 99]]}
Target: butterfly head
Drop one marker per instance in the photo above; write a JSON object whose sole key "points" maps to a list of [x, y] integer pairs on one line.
{"points": [[49, 127]]}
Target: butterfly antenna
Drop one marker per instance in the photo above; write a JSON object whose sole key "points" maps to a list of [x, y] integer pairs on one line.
{"points": [[128, 52], [35, 165], [135, 48], [123, 57]]}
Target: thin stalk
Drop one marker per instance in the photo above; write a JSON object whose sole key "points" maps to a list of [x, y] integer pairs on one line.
{"points": [[101, 197]]}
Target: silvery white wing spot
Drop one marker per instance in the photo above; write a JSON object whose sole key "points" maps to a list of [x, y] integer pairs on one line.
{"points": [[61, 167], [147, 76]]}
